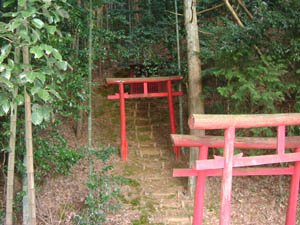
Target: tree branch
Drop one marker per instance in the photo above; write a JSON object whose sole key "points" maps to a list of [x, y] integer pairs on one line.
{"points": [[178, 14], [210, 9], [246, 10], [235, 16]]}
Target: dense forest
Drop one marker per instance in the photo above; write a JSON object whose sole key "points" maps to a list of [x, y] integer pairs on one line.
{"points": [[51, 51]]}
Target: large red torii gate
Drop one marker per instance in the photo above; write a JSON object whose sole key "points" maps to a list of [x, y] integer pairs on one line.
{"points": [[226, 166], [144, 87]]}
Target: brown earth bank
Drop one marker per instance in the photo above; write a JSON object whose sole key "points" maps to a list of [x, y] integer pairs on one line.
{"points": [[152, 196]]}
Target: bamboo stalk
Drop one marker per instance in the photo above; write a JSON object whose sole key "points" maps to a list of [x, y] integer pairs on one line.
{"points": [[179, 71], [90, 89], [11, 163], [29, 146], [29, 150], [12, 147]]}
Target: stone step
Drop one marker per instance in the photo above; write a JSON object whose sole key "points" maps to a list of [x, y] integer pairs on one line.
{"points": [[172, 220], [176, 220], [149, 152], [171, 204]]}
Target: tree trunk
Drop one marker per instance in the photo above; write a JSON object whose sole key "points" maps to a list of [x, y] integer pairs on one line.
{"points": [[11, 157], [29, 156], [11, 163], [100, 26], [179, 71], [29, 150], [76, 47], [195, 100], [90, 143]]}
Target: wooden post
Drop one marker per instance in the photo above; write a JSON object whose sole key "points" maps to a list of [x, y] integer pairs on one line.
{"points": [[172, 116], [293, 198], [227, 176], [280, 140], [123, 123], [200, 190]]}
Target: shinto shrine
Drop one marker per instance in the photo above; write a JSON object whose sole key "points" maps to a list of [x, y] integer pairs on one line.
{"points": [[144, 87]]}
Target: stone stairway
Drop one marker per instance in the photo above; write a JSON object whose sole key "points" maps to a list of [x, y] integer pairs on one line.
{"points": [[151, 159]]}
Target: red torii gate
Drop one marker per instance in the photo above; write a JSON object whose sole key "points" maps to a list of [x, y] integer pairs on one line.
{"points": [[147, 90], [225, 166]]}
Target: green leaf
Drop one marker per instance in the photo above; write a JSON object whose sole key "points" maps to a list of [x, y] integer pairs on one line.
{"points": [[63, 13], [298, 71], [55, 93], [6, 74], [8, 84], [7, 3], [14, 24], [42, 77], [47, 1], [35, 90], [27, 77], [38, 23], [45, 111], [3, 27], [56, 54], [37, 51], [29, 12], [11, 63], [2, 67], [43, 94], [5, 106], [24, 35], [51, 29], [19, 99], [48, 49], [37, 117], [5, 50], [35, 35], [22, 2], [62, 65]]}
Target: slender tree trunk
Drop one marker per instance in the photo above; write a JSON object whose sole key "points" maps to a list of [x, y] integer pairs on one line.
{"points": [[11, 157], [100, 26], [195, 100], [90, 147], [79, 123], [29, 156], [11, 163], [179, 69], [29, 149]]}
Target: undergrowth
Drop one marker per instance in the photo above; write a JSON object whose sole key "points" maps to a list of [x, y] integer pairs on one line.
{"points": [[2, 215], [104, 190]]}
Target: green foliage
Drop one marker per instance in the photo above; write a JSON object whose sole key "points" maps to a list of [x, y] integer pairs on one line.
{"points": [[53, 156], [103, 192], [41, 19], [2, 215], [248, 81]]}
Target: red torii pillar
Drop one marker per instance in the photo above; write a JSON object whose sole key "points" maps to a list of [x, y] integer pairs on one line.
{"points": [[145, 81]]}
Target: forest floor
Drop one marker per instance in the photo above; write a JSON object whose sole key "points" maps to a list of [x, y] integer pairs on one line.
{"points": [[153, 196]]}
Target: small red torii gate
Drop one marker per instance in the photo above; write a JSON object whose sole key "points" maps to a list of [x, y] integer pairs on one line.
{"points": [[147, 90], [225, 166]]}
